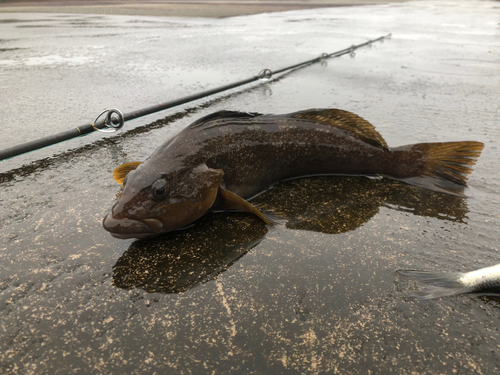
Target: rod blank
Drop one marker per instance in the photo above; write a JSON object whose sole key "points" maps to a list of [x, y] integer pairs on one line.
{"points": [[13, 151]]}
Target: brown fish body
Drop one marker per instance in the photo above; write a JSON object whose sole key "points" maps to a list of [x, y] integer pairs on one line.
{"points": [[257, 152], [227, 157]]}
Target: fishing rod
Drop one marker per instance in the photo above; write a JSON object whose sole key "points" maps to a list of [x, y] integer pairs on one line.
{"points": [[112, 120]]}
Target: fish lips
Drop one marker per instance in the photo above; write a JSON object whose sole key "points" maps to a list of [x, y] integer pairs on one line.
{"points": [[124, 228]]}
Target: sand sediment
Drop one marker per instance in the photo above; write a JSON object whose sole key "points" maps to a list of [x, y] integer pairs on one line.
{"points": [[200, 8]]}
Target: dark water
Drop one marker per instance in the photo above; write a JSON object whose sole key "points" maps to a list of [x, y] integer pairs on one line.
{"points": [[228, 295]]}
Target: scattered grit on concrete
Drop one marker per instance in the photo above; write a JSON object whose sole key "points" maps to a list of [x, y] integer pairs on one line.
{"points": [[229, 296], [203, 8]]}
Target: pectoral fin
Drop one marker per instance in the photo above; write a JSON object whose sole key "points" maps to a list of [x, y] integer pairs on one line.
{"points": [[230, 201], [122, 171]]}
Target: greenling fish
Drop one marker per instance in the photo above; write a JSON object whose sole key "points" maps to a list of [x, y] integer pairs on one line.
{"points": [[222, 160], [482, 281]]}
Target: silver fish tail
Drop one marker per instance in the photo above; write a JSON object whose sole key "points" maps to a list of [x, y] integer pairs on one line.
{"points": [[439, 284]]}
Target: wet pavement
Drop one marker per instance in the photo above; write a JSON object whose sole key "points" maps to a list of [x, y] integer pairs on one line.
{"points": [[228, 295]]}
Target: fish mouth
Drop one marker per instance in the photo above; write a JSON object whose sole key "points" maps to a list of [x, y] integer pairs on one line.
{"points": [[124, 228]]}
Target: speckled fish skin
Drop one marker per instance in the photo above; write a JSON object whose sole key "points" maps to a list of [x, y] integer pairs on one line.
{"points": [[483, 281], [258, 152], [223, 159]]}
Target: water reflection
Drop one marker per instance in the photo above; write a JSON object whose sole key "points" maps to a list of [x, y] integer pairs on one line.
{"points": [[178, 261]]}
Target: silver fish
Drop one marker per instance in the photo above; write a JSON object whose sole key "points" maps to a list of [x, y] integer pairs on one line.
{"points": [[439, 284]]}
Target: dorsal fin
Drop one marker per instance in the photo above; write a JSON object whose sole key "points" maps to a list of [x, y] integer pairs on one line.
{"points": [[344, 120], [223, 115], [122, 171]]}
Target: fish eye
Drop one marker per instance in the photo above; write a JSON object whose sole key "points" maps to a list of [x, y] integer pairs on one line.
{"points": [[159, 188]]}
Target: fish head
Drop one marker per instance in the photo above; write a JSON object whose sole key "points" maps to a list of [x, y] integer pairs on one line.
{"points": [[153, 203]]}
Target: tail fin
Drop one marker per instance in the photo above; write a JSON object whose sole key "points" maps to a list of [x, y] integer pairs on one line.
{"points": [[446, 165], [439, 284]]}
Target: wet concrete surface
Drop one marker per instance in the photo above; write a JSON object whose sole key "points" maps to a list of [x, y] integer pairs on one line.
{"points": [[228, 295]]}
